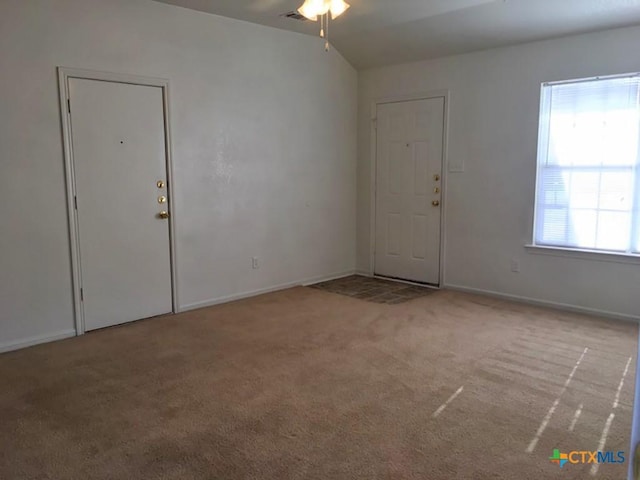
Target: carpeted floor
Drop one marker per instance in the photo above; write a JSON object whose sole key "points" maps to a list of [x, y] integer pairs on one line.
{"points": [[307, 384]]}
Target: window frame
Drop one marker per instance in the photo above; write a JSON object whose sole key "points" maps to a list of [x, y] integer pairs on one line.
{"points": [[544, 117]]}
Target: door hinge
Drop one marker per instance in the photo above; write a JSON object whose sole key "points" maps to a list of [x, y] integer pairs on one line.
{"points": [[81, 294], [69, 105], [75, 202]]}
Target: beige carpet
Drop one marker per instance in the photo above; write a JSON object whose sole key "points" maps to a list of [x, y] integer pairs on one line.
{"points": [[306, 384]]}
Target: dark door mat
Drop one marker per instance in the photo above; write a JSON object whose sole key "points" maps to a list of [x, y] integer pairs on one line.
{"points": [[374, 289]]}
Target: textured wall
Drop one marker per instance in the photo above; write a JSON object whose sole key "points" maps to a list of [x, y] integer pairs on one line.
{"points": [[264, 150], [493, 127]]}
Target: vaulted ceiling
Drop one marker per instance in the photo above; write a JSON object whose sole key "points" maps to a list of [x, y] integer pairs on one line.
{"points": [[383, 32]]}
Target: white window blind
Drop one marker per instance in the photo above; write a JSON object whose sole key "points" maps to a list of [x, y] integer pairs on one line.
{"points": [[588, 186]]}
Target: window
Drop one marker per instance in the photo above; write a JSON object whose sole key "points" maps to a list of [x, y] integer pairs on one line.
{"points": [[588, 182]]}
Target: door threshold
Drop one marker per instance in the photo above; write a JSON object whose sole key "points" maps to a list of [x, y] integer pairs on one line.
{"points": [[408, 282]]}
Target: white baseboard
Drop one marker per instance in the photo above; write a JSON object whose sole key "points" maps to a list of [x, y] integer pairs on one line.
{"points": [[336, 276], [364, 273], [30, 341], [239, 296], [545, 303]]}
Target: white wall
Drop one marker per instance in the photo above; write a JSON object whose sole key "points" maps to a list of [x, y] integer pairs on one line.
{"points": [[493, 135], [264, 150]]}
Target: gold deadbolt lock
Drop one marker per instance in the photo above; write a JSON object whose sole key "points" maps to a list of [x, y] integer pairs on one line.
{"points": [[436, 177], [436, 203], [160, 184], [162, 199], [436, 190]]}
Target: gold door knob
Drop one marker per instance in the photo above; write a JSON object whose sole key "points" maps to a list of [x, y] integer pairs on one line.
{"points": [[436, 203], [163, 214]]}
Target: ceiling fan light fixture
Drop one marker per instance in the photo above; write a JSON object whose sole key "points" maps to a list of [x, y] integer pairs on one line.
{"points": [[338, 7], [311, 9]]}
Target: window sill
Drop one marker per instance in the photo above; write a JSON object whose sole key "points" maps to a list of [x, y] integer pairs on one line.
{"points": [[593, 255]]}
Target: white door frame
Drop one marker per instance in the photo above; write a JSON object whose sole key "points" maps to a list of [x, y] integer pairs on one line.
{"points": [[374, 150], [64, 74]]}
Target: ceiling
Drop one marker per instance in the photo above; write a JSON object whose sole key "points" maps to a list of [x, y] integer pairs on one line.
{"points": [[383, 32]]}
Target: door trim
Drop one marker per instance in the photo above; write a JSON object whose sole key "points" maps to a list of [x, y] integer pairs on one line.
{"points": [[444, 94], [64, 74]]}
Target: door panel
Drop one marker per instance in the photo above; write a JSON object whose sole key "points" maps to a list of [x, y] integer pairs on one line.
{"points": [[119, 155], [408, 172]]}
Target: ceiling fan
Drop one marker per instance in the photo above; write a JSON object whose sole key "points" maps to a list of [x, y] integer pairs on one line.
{"points": [[314, 9]]}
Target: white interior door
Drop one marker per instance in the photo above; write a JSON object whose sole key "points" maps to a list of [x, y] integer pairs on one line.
{"points": [[118, 141], [409, 190]]}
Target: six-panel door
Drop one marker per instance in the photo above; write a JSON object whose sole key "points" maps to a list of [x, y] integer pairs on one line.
{"points": [[409, 189]]}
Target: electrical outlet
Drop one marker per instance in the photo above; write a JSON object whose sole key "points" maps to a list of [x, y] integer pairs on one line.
{"points": [[254, 263], [515, 265]]}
